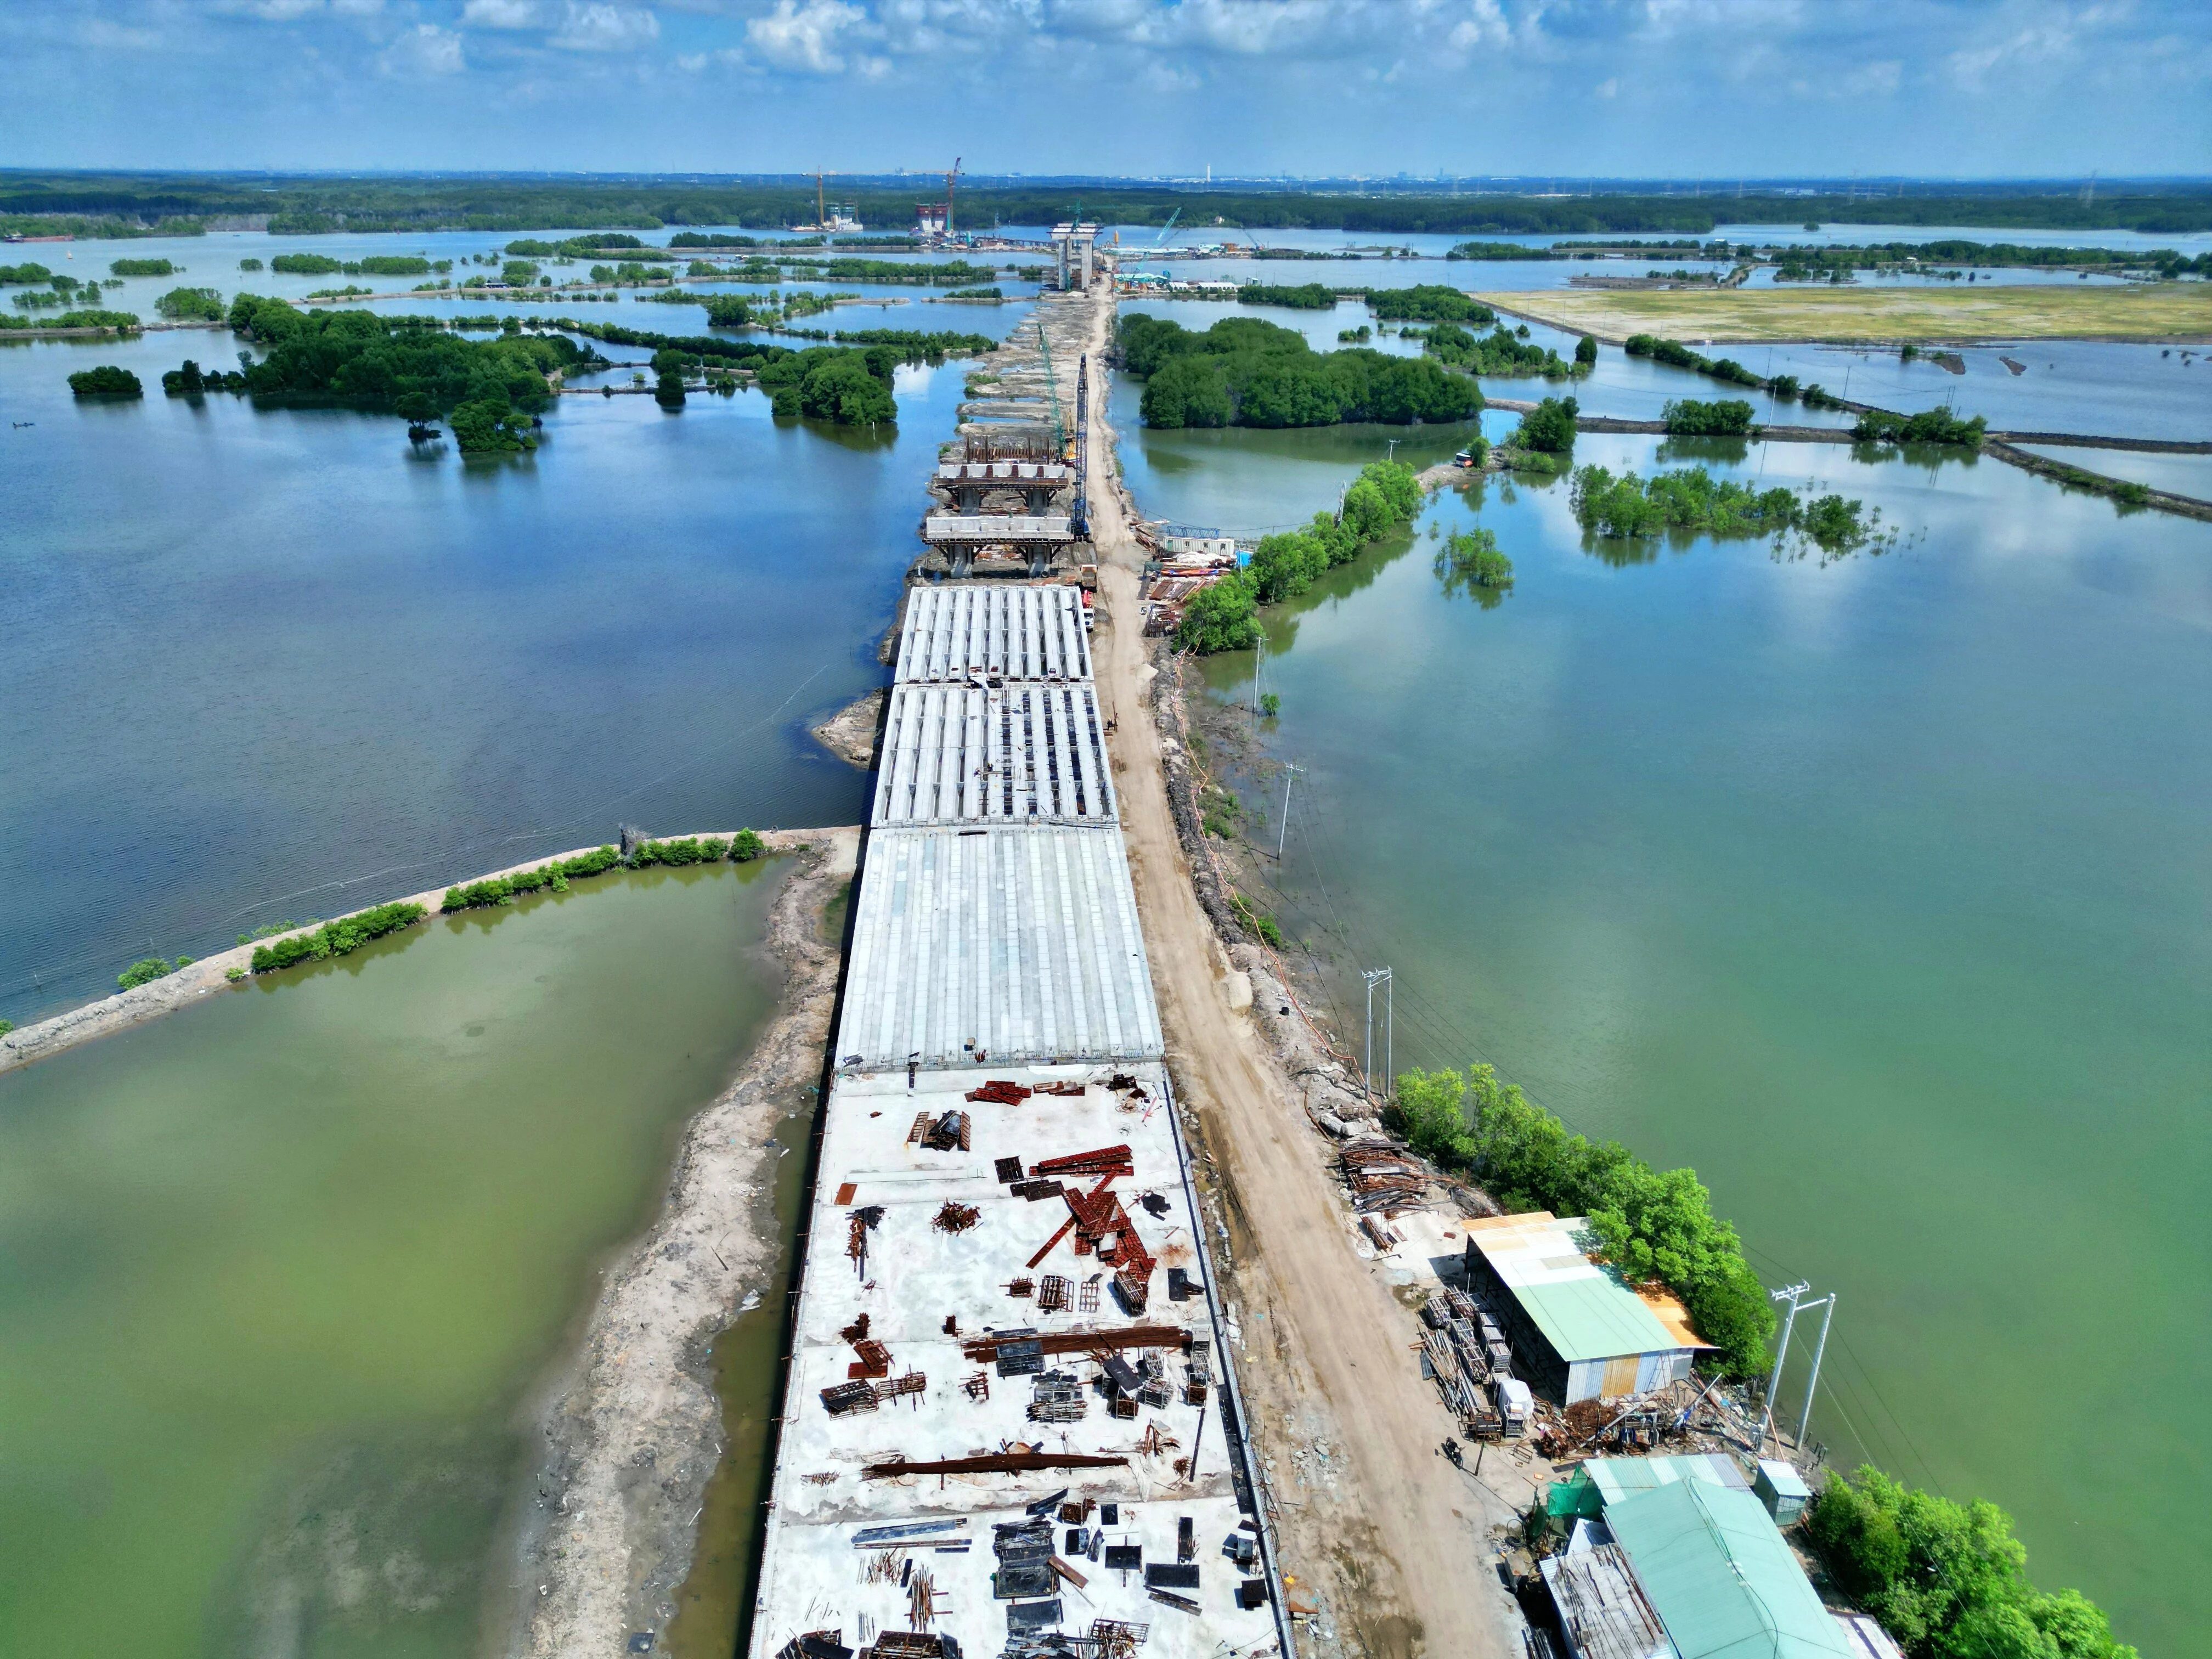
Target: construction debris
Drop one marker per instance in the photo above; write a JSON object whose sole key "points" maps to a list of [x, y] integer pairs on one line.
{"points": [[994, 1347], [993, 1463], [956, 1218], [1001, 1093], [945, 1132], [848, 1397], [1105, 1160], [1383, 1175], [1058, 1397]]}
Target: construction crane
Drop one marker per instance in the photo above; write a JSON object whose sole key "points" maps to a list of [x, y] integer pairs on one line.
{"points": [[821, 212], [1161, 241], [951, 177]]}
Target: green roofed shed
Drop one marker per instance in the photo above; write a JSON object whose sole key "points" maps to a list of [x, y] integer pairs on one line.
{"points": [[1577, 1326], [1604, 1481], [1722, 1579]]}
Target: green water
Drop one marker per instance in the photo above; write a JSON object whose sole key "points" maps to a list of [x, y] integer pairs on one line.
{"points": [[281, 1270], [1875, 890]]}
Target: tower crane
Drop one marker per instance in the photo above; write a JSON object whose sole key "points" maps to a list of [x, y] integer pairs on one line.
{"points": [[951, 178]]}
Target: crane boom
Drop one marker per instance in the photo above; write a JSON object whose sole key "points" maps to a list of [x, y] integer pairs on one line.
{"points": [[1163, 239]]}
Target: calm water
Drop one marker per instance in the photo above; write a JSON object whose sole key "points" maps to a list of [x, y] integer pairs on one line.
{"points": [[281, 1268], [267, 664], [1875, 890]]}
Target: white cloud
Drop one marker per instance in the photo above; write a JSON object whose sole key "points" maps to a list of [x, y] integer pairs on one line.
{"points": [[103, 35], [502, 15], [804, 37], [1609, 87], [599, 27], [1972, 69], [1878, 79], [424, 50], [281, 11]]}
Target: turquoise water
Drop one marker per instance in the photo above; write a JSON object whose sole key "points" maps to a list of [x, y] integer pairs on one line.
{"points": [[1871, 888], [280, 1269]]}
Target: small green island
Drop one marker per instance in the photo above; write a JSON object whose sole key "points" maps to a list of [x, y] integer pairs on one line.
{"points": [[1244, 371]]}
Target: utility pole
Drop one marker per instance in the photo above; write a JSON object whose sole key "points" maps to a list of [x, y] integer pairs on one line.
{"points": [[1283, 830], [1391, 454], [1259, 652], [1376, 976], [1788, 1293], [1805, 1417]]}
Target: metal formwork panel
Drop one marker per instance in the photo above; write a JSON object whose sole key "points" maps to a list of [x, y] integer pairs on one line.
{"points": [[959, 631], [997, 527], [1003, 943], [973, 754]]}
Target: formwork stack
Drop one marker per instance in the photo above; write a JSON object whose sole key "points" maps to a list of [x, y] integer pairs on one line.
{"points": [[1019, 1350]]}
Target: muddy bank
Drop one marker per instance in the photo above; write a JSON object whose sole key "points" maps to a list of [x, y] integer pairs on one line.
{"points": [[853, 734], [633, 1429], [211, 974]]}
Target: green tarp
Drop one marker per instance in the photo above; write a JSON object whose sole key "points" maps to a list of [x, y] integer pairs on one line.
{"points": [[1721, 1576]]}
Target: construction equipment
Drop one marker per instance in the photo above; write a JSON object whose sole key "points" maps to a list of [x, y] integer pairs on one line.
{"points": [[927, 211]]}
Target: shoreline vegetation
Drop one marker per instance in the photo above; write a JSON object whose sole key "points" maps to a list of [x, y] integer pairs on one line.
{"points": [[149, 993], [1947, 1580], [1224, 616]]}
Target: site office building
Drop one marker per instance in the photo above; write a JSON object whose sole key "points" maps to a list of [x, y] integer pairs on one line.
{"points": [[1580, 1331]]}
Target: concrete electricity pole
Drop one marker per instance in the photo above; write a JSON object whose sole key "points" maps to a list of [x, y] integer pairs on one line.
{"points": [[1283, 830], [1791, 1294], [1374, 977], [1805, 1417]]}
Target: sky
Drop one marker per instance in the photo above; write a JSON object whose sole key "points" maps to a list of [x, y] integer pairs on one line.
{"points": [[1719, 89]]}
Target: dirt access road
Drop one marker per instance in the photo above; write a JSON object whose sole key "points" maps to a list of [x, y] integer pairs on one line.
{"points": [[1389, 1540]]}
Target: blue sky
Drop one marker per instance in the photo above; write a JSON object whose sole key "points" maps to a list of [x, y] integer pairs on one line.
{"points": [[1717, 88]]}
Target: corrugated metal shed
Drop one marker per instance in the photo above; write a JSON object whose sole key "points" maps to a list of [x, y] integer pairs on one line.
{"points": [[1005, 944], [1016, 633], [1721, 1576], [966, 754], [1865, 1638], [1602, 1611], [1583, 1311]]}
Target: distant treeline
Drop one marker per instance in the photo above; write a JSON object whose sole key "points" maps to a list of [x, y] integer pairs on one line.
{"points": [[1954, 251], [180, 202]]}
